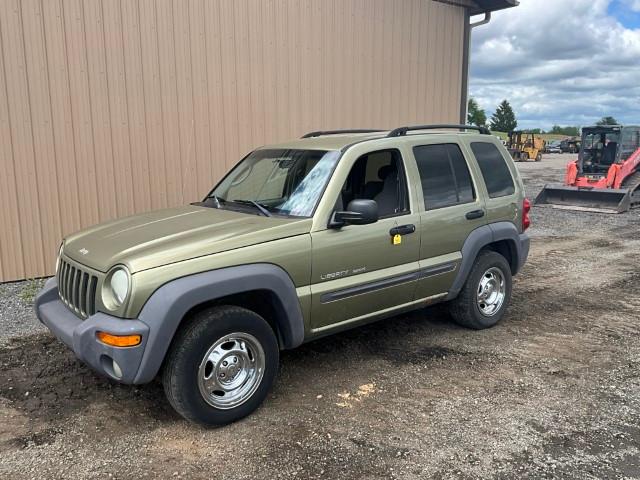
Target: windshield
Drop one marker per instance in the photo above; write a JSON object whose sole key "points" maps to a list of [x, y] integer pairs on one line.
{"points": [[598, 139], [285, 182], [599, 150]]}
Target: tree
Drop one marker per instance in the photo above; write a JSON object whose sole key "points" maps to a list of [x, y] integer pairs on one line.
{"points": [[504, 120], [607, 121], [572, 131], [475, 114], [568, 131]]}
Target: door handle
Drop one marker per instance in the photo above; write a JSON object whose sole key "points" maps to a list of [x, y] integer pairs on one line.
{"points": [[475, 214], [402, 230]]}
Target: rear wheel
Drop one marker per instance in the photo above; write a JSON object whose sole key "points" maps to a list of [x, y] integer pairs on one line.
{"points": [[486, 294], [221, 366]]}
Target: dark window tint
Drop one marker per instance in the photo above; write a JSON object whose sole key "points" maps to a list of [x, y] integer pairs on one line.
{"points": [[444, 174], [495, 172]]}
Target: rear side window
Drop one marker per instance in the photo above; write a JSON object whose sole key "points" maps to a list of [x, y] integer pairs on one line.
{"points": [[629, 142], [444, 175], [495, 172]]}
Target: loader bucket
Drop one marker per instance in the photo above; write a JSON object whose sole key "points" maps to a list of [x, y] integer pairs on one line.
{"points": [[604, 200]]}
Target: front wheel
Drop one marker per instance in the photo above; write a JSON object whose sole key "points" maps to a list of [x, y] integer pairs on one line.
{"points": [[539, 157], [221, 366], [486, 294]]}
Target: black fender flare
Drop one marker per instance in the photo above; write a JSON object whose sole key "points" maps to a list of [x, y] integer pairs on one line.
{"points": [[168, 305], [480, 238]]}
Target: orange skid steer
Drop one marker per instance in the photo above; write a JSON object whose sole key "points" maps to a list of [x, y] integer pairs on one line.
{"points": [[606, 175]]}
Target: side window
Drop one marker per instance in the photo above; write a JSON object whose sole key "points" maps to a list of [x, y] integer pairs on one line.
{"points": [[444, 174], [630, 142], [378, 176], [495, 172]]}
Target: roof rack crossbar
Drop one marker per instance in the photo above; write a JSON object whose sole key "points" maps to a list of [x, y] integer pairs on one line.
{"points": [[402, 131], [321, 133]]}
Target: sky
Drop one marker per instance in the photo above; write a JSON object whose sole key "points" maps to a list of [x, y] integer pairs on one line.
{"points": [[560, 62]]}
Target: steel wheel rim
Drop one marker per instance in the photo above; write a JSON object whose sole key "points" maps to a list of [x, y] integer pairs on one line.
{"points": [[231, 370], [491, 292]]}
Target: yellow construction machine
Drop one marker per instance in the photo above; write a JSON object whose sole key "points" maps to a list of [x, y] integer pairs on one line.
{"points": [[525, 146]]}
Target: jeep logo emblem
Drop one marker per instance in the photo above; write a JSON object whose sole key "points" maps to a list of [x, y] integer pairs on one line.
{"points": [[83, 251]]}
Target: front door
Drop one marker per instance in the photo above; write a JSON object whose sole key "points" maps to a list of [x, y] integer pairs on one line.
{"points": [[361, 270]]}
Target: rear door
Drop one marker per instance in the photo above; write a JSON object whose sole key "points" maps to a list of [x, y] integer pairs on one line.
{"points": [[451, 209], [499, 182]]}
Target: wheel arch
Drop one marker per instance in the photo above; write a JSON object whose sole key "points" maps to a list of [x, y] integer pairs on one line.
{"points": [[168, 307], [501, 237], [263, 302]]}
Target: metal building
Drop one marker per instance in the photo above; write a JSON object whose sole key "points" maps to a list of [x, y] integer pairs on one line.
{"points": [[111, 107]]}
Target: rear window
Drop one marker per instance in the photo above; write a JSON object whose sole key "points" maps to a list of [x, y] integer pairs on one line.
{"points": [[444, 175], [495, 172]]}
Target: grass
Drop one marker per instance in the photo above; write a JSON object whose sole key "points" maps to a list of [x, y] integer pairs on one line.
{"points": [[30, 289], [545, 136]]}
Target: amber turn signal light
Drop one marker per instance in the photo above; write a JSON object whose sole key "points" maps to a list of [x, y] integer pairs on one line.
{"points": [[119, 340]]}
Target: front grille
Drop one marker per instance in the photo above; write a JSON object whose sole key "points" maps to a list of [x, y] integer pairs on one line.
{"points": [[77, 289]]}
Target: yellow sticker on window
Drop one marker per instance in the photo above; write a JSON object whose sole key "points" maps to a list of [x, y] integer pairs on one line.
{"points": [[397, 239]]}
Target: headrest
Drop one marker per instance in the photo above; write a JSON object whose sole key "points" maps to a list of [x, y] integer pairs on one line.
{"points": [[385, 171]]}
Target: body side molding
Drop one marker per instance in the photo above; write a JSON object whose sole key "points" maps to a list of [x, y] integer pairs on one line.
{"points": [[388, 282]]}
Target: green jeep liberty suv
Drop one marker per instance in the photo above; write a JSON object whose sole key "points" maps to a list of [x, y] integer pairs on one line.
{"points": [[297, 241]]}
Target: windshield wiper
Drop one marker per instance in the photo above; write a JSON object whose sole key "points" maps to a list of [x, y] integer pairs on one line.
{"points": [[216, 201], [259, 206]]}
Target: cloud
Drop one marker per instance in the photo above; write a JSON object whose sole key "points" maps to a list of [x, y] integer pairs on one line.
{"points": [[634, 5], [567, 62]]}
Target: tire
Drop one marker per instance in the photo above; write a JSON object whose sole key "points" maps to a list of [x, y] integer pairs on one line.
{"points": [[524, 157], [466, 309], [219, 342], [539, 157]]}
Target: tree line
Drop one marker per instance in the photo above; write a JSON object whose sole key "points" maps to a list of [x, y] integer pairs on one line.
{"points": [[504, 120]]}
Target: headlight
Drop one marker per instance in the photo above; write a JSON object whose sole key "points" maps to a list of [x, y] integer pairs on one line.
{"points": [[118, 283], [58, 258]]}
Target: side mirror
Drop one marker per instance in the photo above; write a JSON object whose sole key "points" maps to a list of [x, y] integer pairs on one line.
{"points": [[359, 212]]}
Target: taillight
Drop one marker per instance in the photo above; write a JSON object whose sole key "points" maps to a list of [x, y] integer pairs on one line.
{"points": [[526, 208]]}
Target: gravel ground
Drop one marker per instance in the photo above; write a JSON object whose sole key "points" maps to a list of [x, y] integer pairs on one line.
{"points": [[552, 392], [16, 310]]}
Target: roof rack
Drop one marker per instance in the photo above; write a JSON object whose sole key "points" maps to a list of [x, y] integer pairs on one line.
{"points": [[402, 131], [335, 132]]}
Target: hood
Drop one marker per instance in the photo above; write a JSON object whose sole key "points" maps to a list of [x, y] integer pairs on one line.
{"points": [[172, 235]]}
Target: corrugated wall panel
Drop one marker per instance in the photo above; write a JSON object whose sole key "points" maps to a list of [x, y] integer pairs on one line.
{"points": [[152, 102], [110, 107], [22, 138], [11, 252], [135, 105]]}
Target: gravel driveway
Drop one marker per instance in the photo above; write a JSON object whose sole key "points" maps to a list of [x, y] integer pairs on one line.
{"points": [[551, 392]]}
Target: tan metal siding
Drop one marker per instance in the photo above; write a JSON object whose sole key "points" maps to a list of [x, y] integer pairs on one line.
{"points": [[111, 107]]}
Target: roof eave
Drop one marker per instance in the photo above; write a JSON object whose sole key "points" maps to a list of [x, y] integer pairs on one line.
{"points": [[492, 6]]}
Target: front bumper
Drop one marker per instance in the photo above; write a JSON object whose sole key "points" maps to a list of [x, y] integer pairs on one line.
{"points": [[80, 335]]}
